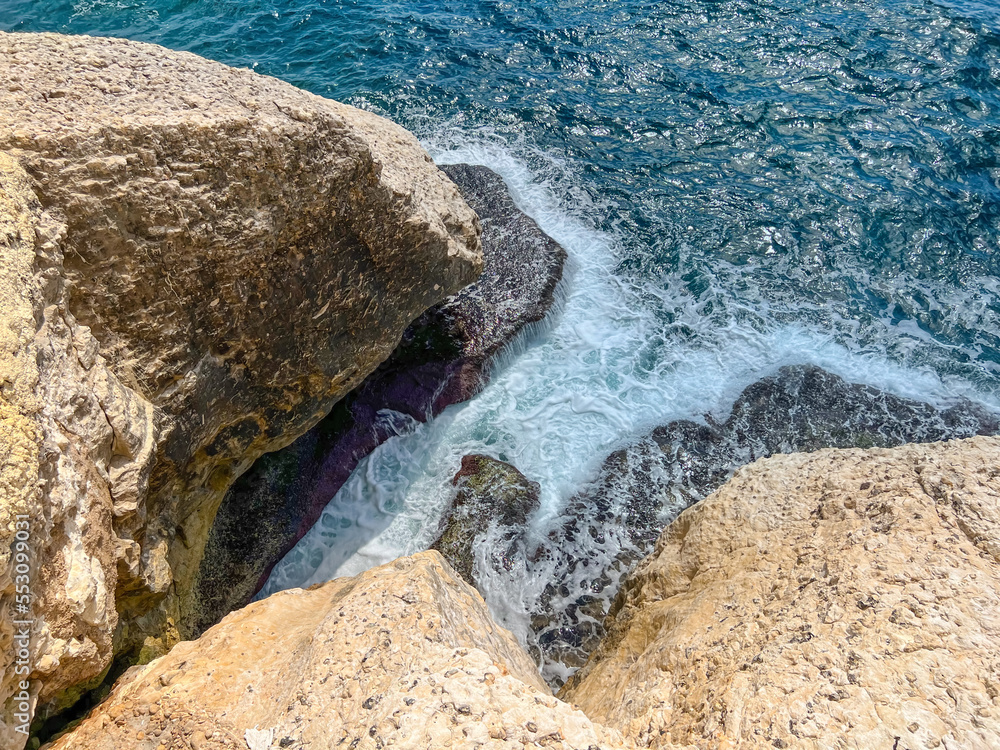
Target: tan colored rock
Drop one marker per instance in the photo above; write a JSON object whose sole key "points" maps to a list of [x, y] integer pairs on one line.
{"points": [[405, 656], [837, 599], [19, 435], [197, 262]]}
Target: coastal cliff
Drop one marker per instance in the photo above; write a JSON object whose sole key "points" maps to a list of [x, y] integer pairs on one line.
{"points": [[198, 263]]}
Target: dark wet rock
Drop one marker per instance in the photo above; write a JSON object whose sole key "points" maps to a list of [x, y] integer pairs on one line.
{"points": [[443, 358], [521, 268], [615, 522], [492, 496]]}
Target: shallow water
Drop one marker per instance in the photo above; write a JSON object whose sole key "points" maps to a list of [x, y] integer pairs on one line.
{"points": [[739, 185]]}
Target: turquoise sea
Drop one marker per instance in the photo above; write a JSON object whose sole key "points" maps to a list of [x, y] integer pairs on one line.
{"points": [[740, 185]]}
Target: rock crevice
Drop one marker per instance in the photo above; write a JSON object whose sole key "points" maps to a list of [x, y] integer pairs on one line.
{"points": [[444, 358]]}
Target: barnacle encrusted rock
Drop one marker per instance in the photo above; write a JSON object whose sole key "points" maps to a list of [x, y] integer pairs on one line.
{"points": [[404, 655], [837, 599], [197, 263]]}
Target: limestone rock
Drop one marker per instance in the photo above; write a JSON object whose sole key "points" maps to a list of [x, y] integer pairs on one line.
{"points": [[611, 525], [493, 499], [199, 261], [404, 655], [837, 599], [444, 358], [19, 434]]}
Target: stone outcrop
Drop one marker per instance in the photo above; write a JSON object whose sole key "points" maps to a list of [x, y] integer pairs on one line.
{"points": [[404, 655], [837, 599], [444, 358], [198, 262], [614, 523], [493, 499]]}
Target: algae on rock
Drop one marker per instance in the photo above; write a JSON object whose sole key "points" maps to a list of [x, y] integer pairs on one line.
{"points": [[492, 496]]}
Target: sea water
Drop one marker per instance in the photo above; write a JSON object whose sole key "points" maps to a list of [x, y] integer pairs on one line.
{"points": [[739, 185]]}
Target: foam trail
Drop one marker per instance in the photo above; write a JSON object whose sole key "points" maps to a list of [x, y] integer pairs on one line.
{"points": [[606, 369]]}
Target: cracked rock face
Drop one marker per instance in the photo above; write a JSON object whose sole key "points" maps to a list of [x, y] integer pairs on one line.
{"points": [[404, 655], [837, 599], [197, 263]]}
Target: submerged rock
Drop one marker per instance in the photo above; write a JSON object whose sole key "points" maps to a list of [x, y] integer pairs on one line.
{"points": [[614, 523], [493, 499], [404, 655], [197, 263], [837, 599], [443, 358]]}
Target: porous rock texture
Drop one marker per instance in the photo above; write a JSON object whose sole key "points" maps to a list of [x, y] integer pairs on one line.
{"points": [[644, 486], [19, 417], [404, 656], [837, 599], [484, 528], [444, 358], [198, 262]]}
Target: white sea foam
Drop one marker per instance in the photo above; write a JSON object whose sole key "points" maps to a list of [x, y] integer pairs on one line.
{"points": [[606, 369]]}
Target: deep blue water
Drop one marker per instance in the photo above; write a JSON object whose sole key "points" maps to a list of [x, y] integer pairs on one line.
{"points": [[740, 184]]}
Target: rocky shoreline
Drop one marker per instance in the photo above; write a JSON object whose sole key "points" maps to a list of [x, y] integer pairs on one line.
{"points": [[840, 598], [198, 264], [643, 487]]}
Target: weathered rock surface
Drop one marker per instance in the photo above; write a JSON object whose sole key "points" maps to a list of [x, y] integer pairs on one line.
{"points": [[493, 499], [837, 599], [615, 523], [19, 431], [199, 261], [404, 655], [443, 359]]}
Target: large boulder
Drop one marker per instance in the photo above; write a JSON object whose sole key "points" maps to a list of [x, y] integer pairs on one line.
{"points": [[404, 655], [444, 358], [611, 525], [198, 263], [836, 599]]}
